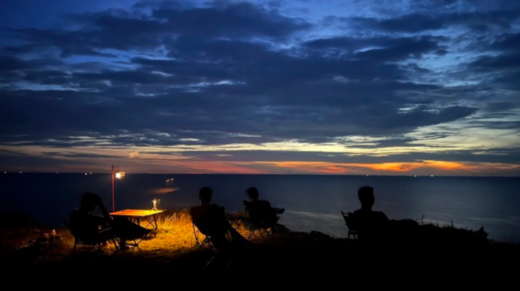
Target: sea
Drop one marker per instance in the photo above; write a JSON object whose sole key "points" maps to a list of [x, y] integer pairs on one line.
{"points": [[311, 202]]}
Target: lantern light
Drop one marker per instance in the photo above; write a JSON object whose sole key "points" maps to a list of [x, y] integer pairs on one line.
{"points": [[155, 204]]}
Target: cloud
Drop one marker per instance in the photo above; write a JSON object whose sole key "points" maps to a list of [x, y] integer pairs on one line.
{"points": [[479, 16], [408, 23], [503, 61], [417, 168], [221, 79], [507, 42], [114, 29], [401, 49], [233, 20], [378, 49], [500, 106]]}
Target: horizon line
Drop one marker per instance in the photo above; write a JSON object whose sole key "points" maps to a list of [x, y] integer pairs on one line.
{"points": [[265, 174]]}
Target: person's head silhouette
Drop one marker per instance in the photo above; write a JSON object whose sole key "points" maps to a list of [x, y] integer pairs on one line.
{"points": [[366, 197], [205, 194], [252, 192], [89, 201]]}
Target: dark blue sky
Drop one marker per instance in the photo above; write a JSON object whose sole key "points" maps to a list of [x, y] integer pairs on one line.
{"points": [[335, 87]]}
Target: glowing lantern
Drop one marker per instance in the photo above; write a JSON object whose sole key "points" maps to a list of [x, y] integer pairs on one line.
{"points": [[155, 204]]}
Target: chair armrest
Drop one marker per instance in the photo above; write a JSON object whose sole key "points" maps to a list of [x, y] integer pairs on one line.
{"points": [[104, 230]]}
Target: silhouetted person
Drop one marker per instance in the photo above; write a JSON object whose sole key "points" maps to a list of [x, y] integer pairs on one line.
{"points": [[261, 211], [211, 220], [372, 226], [95, 226]]}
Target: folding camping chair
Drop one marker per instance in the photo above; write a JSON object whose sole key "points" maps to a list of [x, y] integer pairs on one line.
{"points": [[203, 227], [198, 237], [102, 237], [348, 222], [258, 224]]}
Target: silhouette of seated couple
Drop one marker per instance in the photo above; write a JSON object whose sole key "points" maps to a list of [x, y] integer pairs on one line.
{"points": [[371, 226], [212, 221]]}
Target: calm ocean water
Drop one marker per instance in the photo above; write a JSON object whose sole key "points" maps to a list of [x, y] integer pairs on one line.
{"points": [[311, 202]]}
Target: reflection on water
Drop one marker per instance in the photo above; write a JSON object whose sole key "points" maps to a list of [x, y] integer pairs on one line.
{"points": [[311, 202], [168, 189], [162, 191], [314, 215]]}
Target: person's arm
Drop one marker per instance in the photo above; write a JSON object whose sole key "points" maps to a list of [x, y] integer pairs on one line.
{"points": [[104, 211]]}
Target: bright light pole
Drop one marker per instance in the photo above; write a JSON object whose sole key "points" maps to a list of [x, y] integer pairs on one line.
{"points": [[115, 175]]}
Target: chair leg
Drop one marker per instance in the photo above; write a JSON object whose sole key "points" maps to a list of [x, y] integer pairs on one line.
{"points": [[138, 248], [135, 245], [116, 246], [263, 232], [209, 262], [227, 266]]}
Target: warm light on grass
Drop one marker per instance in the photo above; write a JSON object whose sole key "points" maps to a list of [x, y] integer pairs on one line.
{"points": [[174, 237], [175, 234]]}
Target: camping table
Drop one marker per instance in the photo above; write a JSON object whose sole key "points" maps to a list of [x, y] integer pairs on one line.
{"points": [[137, 215]]}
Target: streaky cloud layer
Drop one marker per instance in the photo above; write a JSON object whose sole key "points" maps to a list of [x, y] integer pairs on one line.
{"points": [[338, 87]]}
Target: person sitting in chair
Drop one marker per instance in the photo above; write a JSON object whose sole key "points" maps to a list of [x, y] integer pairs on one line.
{"points": [[261, 211], [211, 220], [95, 226], [371, 226]]}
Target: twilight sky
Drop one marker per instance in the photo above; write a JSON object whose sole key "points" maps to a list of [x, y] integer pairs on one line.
{"points": [[391, 87]]}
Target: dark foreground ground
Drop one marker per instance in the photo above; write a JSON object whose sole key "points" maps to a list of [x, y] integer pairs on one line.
{"points": [[419, 257]]}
